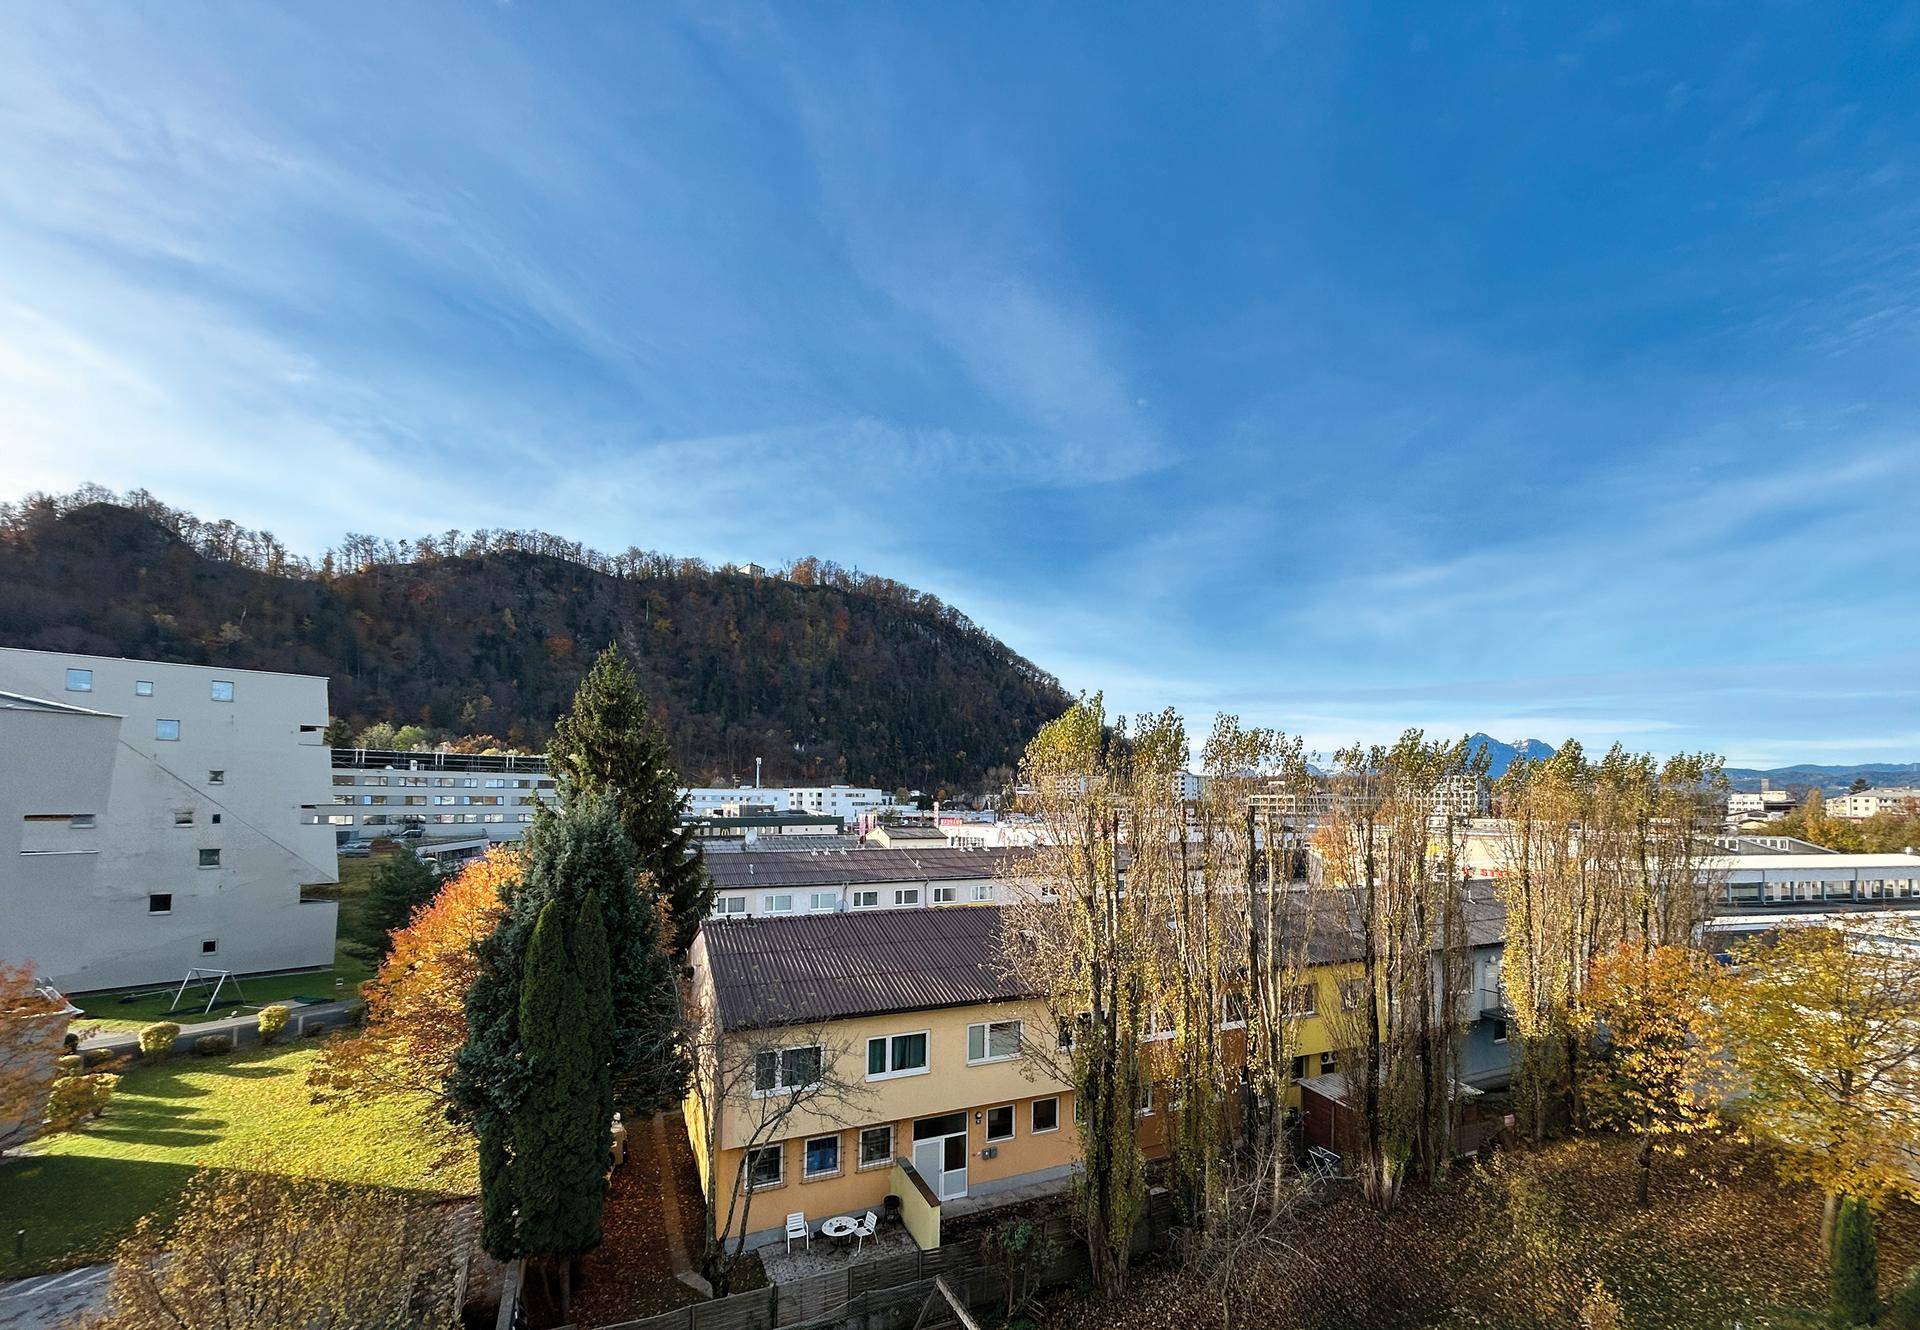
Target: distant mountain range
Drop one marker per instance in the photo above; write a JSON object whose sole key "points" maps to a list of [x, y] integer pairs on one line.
{"points": [[1500, 755], [1829, 780]]}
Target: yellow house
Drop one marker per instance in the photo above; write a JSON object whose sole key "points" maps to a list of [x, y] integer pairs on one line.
{"points": [[837, 1047]]}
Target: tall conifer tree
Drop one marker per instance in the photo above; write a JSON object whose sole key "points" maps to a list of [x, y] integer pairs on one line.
{"points": [[610, 744]]}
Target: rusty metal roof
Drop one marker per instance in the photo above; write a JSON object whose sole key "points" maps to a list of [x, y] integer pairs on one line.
{"points": [[806, 968], [823, 868]]}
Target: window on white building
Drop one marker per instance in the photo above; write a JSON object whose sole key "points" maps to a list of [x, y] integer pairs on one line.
{"points": [[209, 946], [160, 902], [209, 858], [907, 896], [945, 895], [221, 690], [780, 903], [724, 905], [166, 730], [823, 901], [143, 688], [865, 900], [79, 681]]}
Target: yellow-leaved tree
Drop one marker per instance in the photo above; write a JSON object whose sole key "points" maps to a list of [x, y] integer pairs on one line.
{"points": [[1823, 1028], [1654, 1064]]}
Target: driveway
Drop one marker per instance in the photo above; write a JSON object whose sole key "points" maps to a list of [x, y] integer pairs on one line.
{"points": [[46, 1301]]}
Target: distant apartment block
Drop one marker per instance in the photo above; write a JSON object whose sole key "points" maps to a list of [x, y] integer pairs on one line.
{"points": [[780, 882], [1871, 803], [159, 817], [846, 802], [381, 792], [1772, 881], [1761, 805]]}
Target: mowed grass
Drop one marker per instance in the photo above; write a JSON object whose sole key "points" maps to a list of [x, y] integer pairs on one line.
{"points": [[112, 1010], [80, 1192]]}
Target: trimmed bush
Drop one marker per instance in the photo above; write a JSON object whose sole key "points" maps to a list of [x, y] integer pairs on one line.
{"points": [[97, 1057], [212, 1045], [272, 1021], [1902, 1311], [76, 1098], [69, 1065], [156, 1041], [1856, 1265]]}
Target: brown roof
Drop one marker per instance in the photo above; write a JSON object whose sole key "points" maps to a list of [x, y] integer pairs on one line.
{"points": [[803, 968], [824, 868]]}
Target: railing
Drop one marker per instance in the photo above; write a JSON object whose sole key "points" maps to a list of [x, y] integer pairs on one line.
{"points": [[390, 759]]}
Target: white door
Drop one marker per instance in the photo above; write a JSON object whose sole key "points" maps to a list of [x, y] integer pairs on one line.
{"points": [[942, 1162]]}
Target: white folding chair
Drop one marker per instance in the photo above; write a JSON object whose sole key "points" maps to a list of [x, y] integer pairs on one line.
{"points": [[864, 1229], [797, 1228]]}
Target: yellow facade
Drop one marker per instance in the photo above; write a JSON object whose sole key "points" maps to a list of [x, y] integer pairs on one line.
{"points": [[950, 1084]]}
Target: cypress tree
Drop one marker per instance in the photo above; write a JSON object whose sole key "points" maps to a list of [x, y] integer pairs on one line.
{"points": [[582, 865], [559, 1150], [609, 743], [1855, 1271]]}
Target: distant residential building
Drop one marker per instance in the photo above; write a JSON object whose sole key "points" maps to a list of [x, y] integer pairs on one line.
{"points": [[157, 817], [792, 881], [1871, 803], [906, 836], [1765, 804], [760, 824], [381, 792], [846, 802], [1187, 786]]}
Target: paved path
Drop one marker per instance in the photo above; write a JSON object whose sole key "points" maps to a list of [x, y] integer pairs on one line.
{"points": [[670, 1206], [47, 1301], [243, 1030]]}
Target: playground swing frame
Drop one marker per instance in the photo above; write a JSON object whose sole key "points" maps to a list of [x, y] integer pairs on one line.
{"points": [[218, 978]]}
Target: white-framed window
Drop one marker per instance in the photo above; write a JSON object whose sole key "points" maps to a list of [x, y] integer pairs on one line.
{"points": [[160, 902], [906, 896], [1303, 999], [724, 905], [221, 690], [893, 1055], [168, 731], [823, 902], [766, 1166], [1160, 1025], [143, 688], [209, 858], [993, 1041], [866, 900], [780, 903], [876, 1146], [982, 891], [1071, 1031], [1146, 1100], [1233, 1010], [79, 681], [784, 1070], [1000, 1123], [1046, 1116], [822, 1156], [183, 817], [947, 895]]}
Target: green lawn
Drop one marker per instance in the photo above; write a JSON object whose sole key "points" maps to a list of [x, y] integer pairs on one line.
{"points": [[112, 1010], [81, 1191]]}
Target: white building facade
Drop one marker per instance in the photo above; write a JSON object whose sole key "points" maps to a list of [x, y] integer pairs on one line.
{"points": [[846, 802], [1871, 803], [381, 792], [156, 818]]}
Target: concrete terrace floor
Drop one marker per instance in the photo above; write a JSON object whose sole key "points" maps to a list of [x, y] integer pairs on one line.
{"points": [[825, 1256]]}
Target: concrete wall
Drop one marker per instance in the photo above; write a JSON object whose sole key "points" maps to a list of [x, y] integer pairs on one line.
{"points": [[162, 816]]}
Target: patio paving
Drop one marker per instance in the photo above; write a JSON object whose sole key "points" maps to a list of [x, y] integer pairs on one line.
{"points": [[825, 1256]]}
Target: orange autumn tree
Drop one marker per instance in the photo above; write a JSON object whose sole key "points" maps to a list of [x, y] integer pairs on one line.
{"points": [[32, 1020], [1655, 1064], [416, 1021]]}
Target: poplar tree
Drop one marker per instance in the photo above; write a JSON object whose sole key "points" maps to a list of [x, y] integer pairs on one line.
{"points": [[610, 744]]}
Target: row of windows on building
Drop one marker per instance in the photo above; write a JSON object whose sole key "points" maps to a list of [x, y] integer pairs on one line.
{"points": [[447, 782], [438, 800], [865, 898], [1802, 892], [405, 819], [820, 1156], [81, 681]]}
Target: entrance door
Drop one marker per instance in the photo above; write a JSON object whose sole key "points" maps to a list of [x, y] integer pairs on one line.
{"points": [[940, 1154]]}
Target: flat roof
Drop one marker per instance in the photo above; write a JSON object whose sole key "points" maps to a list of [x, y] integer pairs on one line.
{"points": [[1739, 862]]}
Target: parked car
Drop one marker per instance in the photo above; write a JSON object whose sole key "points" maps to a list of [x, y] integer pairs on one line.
{"points": [[356, 849], [412, 833]]}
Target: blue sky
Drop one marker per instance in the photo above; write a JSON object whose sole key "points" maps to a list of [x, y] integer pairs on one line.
{"points": [[1342, 367]]}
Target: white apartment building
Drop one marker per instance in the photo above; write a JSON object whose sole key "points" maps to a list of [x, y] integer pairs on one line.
{"points": [[156, 818], [1759, 805], [1871, 803], [763, 882], [845, 802], [1763, 882], [381, 792]]}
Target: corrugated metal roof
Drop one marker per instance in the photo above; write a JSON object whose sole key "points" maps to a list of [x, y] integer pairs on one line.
{"points": [[781, 971], [809, 868]]}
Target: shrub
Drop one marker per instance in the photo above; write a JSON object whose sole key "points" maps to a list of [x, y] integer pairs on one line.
{"points": [[272, 1021], [156, 1041], [69, 1065], [212, 1045], [70, 1041], [96, 1057], [1902, 1311], [1856, 1265], [77, 1097]]}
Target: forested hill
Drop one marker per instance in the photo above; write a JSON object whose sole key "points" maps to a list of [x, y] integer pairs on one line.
{"points": [[827, 675]]}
